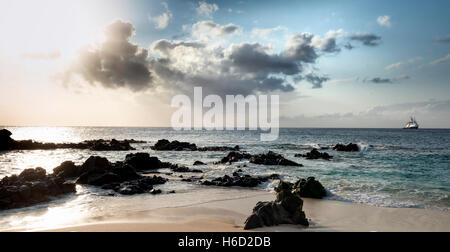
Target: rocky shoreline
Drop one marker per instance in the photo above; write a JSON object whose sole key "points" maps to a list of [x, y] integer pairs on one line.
{"points": [[7, 144], [136, 175]]}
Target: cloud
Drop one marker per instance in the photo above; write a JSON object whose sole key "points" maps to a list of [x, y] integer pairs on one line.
{"points": [[402, 64], [41, 56], [316, 80], [367, 39], [328, 43], [441, 60], [444, 40], [300, 48], [243, 68], [379, 80], [206, 10], [162, 21], [178, 66], [349, 46], [114, 63], [384, 21], [209, 29], [266, 33]]}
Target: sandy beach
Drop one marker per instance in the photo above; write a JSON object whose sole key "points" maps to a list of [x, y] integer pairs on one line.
{"points": [[230, 215]]}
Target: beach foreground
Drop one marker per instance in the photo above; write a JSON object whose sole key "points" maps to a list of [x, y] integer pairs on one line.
{"points": [[230, 215]]}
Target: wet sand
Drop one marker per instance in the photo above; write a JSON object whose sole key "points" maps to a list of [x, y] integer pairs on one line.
{"points": [[230, 215]]}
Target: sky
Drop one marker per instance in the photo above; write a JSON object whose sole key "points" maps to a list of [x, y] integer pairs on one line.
{"points": [[349, 63]]}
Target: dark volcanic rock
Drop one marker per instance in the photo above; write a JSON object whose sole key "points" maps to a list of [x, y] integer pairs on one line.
{"points": [[199, 163], [95, 164], [310, 188], [234, 157], [346, 148], [113, 145], [238, 180], [138, 186], [272, 158], [287, 209], [67, 170], [144, 162], [166, 145], [219, 148], [32, 186], [6, 142], [183, 169], [315, 154]]}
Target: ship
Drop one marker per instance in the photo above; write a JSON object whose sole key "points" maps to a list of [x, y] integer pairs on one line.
{"points": [[412, 124]]}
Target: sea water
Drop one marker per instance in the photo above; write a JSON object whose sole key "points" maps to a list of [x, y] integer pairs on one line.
{"points": [[394, 168]]}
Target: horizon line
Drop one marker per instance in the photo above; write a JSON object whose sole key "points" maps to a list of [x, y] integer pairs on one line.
{"points": [[210, 129]]}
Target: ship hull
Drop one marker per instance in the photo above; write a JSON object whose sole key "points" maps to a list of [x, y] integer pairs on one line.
{"points": [[411, 128]]}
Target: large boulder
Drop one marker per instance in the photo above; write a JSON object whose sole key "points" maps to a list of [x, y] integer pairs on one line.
{"points": [[287, 209], [6, 142], [314, 155], [310, 188], [272, 158], [33, 175], [143, 162], [95, 164], [351, 147], [67, 170]]}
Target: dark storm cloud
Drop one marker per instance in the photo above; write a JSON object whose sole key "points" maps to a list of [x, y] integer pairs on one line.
{"points": [[367, 39], [115, 63], [253, 58]]}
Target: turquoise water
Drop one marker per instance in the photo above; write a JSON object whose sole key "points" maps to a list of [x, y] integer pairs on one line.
{"points": [[395, 168]]}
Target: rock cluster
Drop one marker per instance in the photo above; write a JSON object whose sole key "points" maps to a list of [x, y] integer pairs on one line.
{"points": [[351, 147], [7, 143], [269, 158], [272, 158], [238, 180], [233, 157], [121, 177], [166, 145], [183, 169], [32, 186], [314, 155], [286, 209]]}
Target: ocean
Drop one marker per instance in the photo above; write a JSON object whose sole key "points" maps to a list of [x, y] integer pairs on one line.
{"points": [[394, 168]]}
